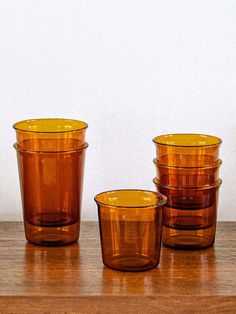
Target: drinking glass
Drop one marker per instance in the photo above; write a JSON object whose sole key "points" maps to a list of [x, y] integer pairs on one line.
{"points": [[130, 228], [190, 215], [48, 134], [187, 150], [51, 155], [187, 176]]}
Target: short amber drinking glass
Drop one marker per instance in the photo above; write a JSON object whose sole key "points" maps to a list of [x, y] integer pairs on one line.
{"points": [[130, 228], [190, 215], [50, 134], [187, 150], [187, 176]]}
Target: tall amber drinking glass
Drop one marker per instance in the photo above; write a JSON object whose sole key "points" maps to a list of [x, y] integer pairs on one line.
{"points": [[187, 176], [190, 215], [51, 178], [50, 134], [130, 228], [187, 150]]}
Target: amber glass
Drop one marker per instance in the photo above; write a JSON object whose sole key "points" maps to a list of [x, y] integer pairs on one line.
{"points": [[51, 189], [187, 150], [130, 228], [190, 214], [187, 176], [50, 134]]}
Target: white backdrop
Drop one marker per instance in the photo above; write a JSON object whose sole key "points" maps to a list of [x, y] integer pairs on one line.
{"points": [[132, 70]]}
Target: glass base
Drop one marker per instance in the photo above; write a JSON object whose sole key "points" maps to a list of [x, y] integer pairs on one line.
{"points": [[52, 236], [131, 263], [188, 239]]}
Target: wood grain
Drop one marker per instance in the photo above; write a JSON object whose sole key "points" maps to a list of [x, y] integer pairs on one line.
{"points": [[36, 279]]}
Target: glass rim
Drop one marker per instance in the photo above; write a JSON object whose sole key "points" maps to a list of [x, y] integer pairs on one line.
{"points": [[217, 184], [17, 128], [18, 148], [216, 164], [157, 140], [163, 198]]}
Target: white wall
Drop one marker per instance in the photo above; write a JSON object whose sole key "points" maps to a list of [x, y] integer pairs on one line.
{"points": [[131, 69]]}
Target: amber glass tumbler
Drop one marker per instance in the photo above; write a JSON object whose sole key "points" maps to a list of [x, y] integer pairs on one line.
{"points": [[190, 214], [130, 228], [51, 189], [187, 150], [187, 176], [50, 134]]}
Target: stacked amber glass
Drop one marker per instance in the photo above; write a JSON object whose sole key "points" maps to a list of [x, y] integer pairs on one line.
{"points": [[187, 172], [51, 155]]}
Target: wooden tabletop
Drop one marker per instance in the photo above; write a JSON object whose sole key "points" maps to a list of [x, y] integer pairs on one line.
{"points": [[37, 279]]}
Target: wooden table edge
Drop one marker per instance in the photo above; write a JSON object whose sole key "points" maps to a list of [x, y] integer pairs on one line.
{"points": [[118, 304]]}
